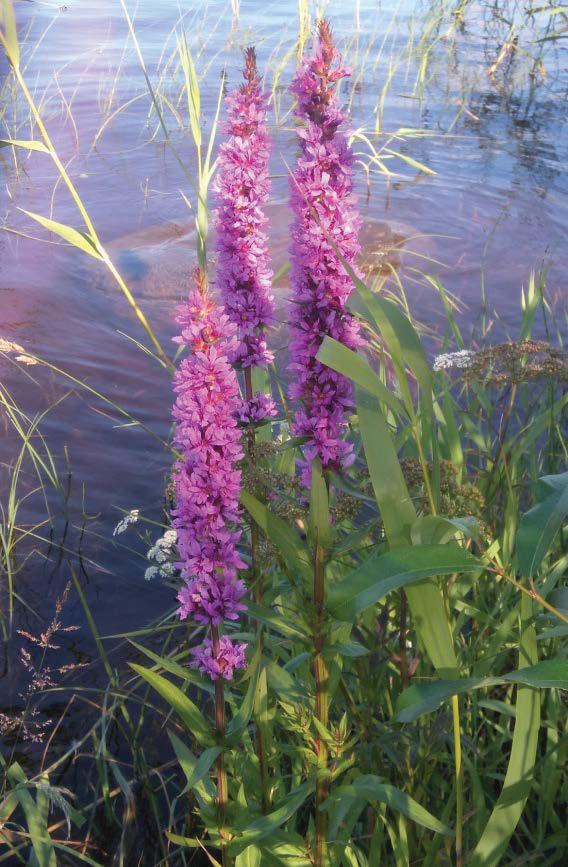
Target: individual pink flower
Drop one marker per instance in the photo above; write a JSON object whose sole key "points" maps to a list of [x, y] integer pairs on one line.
{"points": [[325, 217], [207, 481], [242, 185]]}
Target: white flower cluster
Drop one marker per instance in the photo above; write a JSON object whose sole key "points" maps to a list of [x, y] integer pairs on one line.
{"points": [[161, 554], [462, 360], [125, 522]]}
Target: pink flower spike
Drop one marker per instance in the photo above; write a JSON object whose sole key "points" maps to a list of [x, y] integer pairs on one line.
{"points": [[242, 185], [321, 193], [207, 481]]}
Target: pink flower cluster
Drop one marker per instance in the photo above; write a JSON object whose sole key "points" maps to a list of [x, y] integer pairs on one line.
{"points": [[228, 657], [242, 186], [207, 482], [259, 408], [325, 214]]}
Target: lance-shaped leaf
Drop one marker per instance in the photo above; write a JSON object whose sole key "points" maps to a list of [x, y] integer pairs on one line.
{"points": [[380, 575], [518, 779], [77, 239], [398, 515], [343, 360], [369, 789], [421, 698], [189, 713], [195, 769], [20, 143], [260, 828], [540, 524], [319, 521]]}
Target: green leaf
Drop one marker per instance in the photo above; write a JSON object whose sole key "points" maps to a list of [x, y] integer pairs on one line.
{"points": [[398, 333], [77, 239], [319, 507], [425, 697], [518, 779], [242, 718], [293, 551], [421, 167], [548, 674], [20, 143], [251, 857], [35, 821], [370, 789], [190, 714], [10, 35], [380, 575], [192, 90], [540, 524], [169, 664], [437, 529], [340, 358], [391, 492], [195, 769], [286, 688], [260, 828], [285, 849], [398, 514], [421, 698]]}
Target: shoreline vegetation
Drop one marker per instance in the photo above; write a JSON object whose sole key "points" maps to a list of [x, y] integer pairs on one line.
{"points": [[364, 661]]}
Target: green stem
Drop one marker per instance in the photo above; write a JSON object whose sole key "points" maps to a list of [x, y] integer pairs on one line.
{"points": [[257, 581], [322, 707], [220, 725], [459, 781]]}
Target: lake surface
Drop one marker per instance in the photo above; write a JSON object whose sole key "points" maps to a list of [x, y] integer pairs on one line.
{"points": [[495, 210]]}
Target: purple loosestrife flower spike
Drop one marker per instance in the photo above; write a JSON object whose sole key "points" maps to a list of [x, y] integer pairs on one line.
{"points": [[321, 189], [207, 482], [242, 185]]}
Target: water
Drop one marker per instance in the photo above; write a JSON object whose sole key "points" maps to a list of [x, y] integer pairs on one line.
{"points": [[495, 209]]}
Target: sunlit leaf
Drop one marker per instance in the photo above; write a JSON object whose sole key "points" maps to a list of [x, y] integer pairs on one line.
{"points": [[10, 35], [77, 239], [20, 143]]}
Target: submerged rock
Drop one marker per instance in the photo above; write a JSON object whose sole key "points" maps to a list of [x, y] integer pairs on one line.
{"points": [[157, 261]]}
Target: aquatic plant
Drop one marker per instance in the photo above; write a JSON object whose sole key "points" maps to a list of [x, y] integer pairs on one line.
{"points": [[206, 478], [326, 223]]}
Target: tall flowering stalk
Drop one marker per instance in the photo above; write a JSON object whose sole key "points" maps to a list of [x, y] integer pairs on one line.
{"points": [[242, 185], [325, 214], [207, 488], [244, 275], [325, 220]]}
